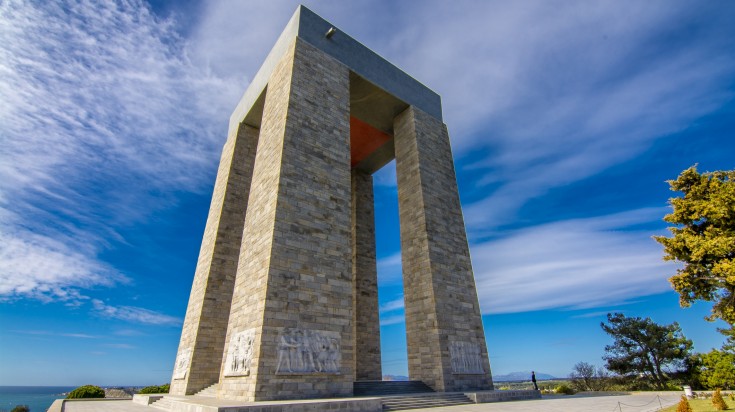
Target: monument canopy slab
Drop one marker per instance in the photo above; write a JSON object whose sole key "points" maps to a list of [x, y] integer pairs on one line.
{"points": [[399, 89]]}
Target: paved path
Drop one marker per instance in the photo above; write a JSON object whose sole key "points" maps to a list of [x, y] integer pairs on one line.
{"points": [[107, 406], [643, 402]]}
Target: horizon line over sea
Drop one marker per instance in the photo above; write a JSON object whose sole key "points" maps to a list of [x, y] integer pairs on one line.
{"points": [[37, 398]]}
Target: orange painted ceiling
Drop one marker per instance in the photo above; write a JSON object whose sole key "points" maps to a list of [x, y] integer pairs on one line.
{"points": [[364, 140]]}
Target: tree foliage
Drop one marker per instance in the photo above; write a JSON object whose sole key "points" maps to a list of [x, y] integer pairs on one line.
{"points": [[21, 408], [586, 377], [718, 370], [729, 345], [86, 391], [703, 239], [156, 389], [642, 346]]}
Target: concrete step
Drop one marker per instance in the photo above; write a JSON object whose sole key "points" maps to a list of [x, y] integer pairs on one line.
{"points": [[425, 401], [208, 392], [162, 404]]}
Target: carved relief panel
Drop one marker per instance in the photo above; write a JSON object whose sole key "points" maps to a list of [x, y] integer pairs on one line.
{"points": [[466, 358], [303, 351], [240, 353], [182, 363]]}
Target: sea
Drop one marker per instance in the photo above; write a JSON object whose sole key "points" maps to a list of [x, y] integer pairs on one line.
{"points": [[38, 398]]}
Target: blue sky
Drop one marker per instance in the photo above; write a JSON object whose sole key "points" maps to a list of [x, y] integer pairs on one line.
{"points": [[566, 118]]}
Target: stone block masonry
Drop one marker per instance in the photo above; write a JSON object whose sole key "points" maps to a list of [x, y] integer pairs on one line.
{"points": [[294, 279], [284, 303], [205, 325], [443, 318], [366, 323]]}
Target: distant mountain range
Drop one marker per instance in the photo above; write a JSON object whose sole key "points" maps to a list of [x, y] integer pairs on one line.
{"points": [[522, 376]]}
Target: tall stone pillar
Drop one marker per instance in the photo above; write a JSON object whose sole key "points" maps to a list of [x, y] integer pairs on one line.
{"points": [[365, 279], [446, 342], [290, 329], [284, 301], [203, 335]]}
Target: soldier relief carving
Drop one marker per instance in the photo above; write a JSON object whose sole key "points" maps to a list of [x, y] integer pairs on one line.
{"points": [[182, 363], [466, 358], [240, 353], [302, 351]]}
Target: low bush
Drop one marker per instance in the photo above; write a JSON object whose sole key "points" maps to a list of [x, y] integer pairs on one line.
{"points": [[156, 389], [684, 405], [718, 402], [86, 391], [564, 390], [21, 408]]}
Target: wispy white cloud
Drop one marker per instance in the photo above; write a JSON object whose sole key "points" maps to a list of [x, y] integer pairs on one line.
{"points": [[128, 332], [40, 267], [103, 118], [598, 314], [80, 335], [558, 93], [389, 270], [386, 176], [579, 263], [117, 346], [392, 320], [392, 305], [134, 314], [51, 333]]}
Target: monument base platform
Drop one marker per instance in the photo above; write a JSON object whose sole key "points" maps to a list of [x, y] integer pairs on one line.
{"points": [[195, 403]]}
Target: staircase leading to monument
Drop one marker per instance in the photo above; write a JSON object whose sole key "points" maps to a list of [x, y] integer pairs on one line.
{"points": [[431, 400], [208, 392], [383, 388], [162, 404], [403, 395]]}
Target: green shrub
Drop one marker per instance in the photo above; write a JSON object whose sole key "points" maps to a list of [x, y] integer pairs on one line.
{"points": [[717, 401], [564, 390], [86, 391], [21, 408], [156, 389], [683, 405]]}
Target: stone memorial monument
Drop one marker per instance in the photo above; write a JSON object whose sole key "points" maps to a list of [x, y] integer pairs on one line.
{"points": [[284, 302]]}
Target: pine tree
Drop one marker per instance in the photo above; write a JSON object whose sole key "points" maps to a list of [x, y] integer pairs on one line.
{"points": [[704, 226], [642, 346], [684, 405], [718, 402]]}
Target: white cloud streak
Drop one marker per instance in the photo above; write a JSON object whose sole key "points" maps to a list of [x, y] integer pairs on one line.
{"points": [[134, 314], [574, 264], [103, 117], [117, 346], [390, 270], [558, 93], [40, 267], [392, 305], [392, 320], [49, 333]]}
